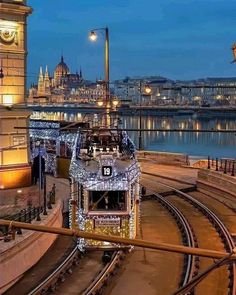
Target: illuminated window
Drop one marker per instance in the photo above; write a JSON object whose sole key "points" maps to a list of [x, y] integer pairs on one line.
{"points": [[107, 201]]}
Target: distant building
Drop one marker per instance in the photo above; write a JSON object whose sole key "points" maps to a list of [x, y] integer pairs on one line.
{"points": [[56, 87], [64, 86], [212, 91]]}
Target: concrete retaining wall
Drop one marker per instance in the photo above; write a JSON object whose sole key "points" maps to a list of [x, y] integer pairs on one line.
{"points": [[164, 158], [216, 182], [17, 256]]}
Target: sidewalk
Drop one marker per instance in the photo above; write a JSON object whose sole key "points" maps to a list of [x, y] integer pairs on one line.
{"points": [[176, 172], [12, 201]]}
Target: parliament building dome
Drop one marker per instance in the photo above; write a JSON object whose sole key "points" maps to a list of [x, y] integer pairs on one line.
{"points": [[62, 69]]}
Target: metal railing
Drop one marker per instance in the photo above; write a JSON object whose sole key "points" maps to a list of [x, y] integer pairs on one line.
{"points": [[24, 215], [225, 165]]}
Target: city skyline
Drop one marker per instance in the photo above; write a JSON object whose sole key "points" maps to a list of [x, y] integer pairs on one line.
{"points": [[178, 39]]}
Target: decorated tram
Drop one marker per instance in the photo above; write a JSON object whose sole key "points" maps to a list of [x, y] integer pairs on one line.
{"points": [[103, 171], [105, 175]]}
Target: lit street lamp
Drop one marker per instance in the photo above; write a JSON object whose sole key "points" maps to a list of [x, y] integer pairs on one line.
{"points": [[100, 103], [93, 37], [115, 102]]}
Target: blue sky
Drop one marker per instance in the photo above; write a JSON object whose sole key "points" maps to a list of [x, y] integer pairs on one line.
{"points": [[179, 39]]}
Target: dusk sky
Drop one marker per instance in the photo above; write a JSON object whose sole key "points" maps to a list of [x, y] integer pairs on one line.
{"points": [[178, 39]]}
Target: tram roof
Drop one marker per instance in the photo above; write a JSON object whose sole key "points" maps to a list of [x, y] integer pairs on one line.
{"points": [[93, 165], [64, 124]]}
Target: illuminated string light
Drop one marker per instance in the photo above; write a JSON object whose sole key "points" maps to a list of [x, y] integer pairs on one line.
{"points": [[125, 172]]}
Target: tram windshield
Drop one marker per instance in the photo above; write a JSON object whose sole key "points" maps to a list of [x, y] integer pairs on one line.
{"points": [[107, 201]]}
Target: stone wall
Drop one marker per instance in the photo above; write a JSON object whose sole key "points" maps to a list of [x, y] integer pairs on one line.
{"points": [[17, 256], [164, 158], [216, 182]]}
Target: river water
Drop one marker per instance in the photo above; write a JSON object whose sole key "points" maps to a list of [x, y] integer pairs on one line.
{"points": [[195, 144]]}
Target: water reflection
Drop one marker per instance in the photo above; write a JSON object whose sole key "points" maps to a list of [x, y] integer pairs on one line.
{"points": [[201, 144]]}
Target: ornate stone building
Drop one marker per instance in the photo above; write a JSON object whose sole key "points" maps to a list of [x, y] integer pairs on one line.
{"points": [[15, 170], [63, 86], [61, 82]]}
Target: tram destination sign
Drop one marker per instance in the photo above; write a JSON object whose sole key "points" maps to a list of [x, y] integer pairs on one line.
{"points": [[106, 171], [103, 222]]}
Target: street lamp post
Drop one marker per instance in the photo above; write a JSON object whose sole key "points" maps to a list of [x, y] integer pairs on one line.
{"points": [[44, 195], [93, 37], [40, 179], [147, 90], [140, 117]]}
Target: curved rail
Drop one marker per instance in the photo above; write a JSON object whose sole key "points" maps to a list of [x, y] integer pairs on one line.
{"points": [[58, 274], [218, 224], [188, 236], [97, 284]]}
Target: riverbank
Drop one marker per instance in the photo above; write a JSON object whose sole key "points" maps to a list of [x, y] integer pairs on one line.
{"points": [[216, 111]]}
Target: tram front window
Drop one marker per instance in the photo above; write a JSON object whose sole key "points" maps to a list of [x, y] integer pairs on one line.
{"points": [[107, 201]]}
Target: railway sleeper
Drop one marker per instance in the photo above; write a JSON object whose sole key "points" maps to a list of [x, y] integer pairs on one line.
{"points": [[69, 271], [62, 278], [76, 262], [44, 291], [52, 288]]}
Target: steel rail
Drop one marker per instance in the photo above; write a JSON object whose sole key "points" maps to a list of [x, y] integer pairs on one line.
{"points": [[57, 274], [164, 176], [97, 284], [187, 233], [218, 224]]}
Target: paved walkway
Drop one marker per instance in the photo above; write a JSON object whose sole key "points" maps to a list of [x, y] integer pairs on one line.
{"points": [[184, 174]]}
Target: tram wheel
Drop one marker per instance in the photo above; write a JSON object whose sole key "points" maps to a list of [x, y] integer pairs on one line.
{"points": [[106, 258], [143, 190]]}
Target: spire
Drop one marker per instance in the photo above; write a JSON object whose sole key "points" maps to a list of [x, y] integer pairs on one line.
{"points": [[40, 73], [62, 58], [41, 86], [46, 82], [80, 73], [46, 76]]}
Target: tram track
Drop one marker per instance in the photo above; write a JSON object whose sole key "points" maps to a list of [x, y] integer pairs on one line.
{"points": [[161, 181], [91, 276], [191, 263], [54, 281], [219, 226], [50, 283], [51, 260], [99, 282]]}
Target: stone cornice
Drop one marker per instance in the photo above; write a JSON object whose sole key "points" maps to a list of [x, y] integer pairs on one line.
{"points": [[15, 9]]}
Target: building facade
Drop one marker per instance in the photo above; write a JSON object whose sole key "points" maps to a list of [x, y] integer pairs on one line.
{"points": [[15, 170], [208, 91], [63, 87]]}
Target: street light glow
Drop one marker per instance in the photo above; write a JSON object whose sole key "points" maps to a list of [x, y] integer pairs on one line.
{"points": [[148, 89], [93, 36], [115, 102], [100, 103]]}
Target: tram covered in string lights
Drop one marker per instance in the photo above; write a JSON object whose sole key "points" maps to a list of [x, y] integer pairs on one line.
{"points": [[105, 173]]}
